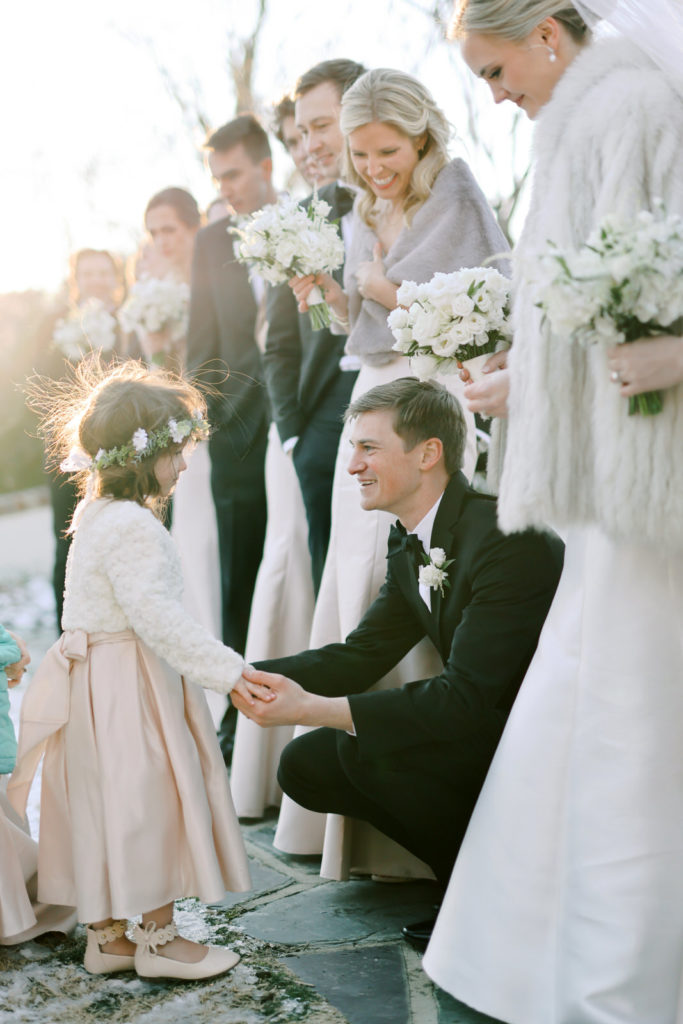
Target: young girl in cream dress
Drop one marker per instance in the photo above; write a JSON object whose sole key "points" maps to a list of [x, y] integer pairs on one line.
{"points": [[136, 809]]}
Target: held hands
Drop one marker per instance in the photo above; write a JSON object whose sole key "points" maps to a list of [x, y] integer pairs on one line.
{"points": [[247, 693], [373, 282], [489, 396], [652, 364], [15, 671], [280, 701]]}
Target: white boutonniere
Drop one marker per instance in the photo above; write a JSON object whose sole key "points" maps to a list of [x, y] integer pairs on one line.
{"points": [[433, 573]]}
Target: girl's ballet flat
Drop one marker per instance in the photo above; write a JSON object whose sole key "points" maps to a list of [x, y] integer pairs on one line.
{"points": [[149, 964], [97, 962]]}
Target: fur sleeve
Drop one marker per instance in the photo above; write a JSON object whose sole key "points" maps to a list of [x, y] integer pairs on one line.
{"points": [[144, 571]]}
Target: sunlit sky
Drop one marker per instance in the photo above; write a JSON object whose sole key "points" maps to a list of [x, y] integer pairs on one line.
{"points": [[90, 130]]}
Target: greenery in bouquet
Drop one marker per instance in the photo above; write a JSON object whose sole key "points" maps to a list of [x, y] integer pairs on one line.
{"points": [[284, 240], [451, 321], [625, 283], [88, 328]]}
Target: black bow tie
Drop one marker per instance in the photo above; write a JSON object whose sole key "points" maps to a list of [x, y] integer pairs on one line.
{"points": [[400, 540], [344, 200]]}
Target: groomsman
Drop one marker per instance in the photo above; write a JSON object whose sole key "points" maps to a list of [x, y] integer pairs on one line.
{"points": [[226, 306], [412, 760], [309, 386]]}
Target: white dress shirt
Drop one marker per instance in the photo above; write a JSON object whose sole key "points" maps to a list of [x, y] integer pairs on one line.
{"points": [[423, 530]]}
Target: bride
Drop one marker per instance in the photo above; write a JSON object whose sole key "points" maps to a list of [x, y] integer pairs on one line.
{"points": [[566, 901]]}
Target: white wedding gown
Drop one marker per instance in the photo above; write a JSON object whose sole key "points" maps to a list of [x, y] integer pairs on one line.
{"points": [[566, 901], [355, 570]]}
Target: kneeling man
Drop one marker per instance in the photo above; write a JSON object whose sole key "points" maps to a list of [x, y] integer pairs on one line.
{"points": [[412, 760]]}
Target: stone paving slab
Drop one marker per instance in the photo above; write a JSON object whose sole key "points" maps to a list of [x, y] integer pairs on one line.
{"points": [[453, 1012], [366, 984], [265, 880], [337, 912]]}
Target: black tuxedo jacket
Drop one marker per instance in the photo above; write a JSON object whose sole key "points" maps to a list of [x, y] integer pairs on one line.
{"points": [[300, 364], [486, 628], [221, 338]]}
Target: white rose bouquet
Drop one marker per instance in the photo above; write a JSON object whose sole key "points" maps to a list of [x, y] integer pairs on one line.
{"points": [[624, 283], [284, 240], [154, 305], [454, 319], [90, 327]]}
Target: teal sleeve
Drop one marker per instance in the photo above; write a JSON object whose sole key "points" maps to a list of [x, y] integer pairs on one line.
{"points": [[9, 651]]}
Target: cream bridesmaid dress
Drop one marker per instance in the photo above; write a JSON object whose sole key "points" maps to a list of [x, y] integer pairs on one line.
{"points": [[280, 624]]}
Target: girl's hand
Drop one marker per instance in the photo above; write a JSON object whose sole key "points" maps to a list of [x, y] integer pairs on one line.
{"points": [[332, 292], [652, 364], [15, 671], [249, 690], [373, 282]]}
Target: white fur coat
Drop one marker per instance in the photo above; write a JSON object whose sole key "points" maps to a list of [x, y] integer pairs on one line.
{"points": [[610, 140], [123, 573]]}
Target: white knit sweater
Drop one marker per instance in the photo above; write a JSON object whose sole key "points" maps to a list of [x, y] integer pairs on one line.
{"points": [[609, 141], [123, 573]]}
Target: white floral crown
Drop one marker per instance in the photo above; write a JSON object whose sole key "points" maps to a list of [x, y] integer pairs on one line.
{"points": [[142, 445]]}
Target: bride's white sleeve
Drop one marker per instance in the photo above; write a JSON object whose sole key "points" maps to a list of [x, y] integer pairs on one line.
{"points": [[143, 567]]}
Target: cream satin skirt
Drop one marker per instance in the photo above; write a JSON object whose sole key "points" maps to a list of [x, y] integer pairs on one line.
{"points": [[135, 808], [355, 570], [566, 901], [279, 624]]}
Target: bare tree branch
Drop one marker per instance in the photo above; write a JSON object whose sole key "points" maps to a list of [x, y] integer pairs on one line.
{"points": [[241, 63]]}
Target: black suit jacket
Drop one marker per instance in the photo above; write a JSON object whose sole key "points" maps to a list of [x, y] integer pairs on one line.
{"points": [[300, 364], [221, 338], [486, 628]]}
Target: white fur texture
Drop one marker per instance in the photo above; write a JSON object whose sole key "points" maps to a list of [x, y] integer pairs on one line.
{"points": [[609, 141], [124, 573]]}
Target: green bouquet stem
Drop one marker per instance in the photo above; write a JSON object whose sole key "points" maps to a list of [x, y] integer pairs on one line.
{"points": [[647, 404], [320, 316]]}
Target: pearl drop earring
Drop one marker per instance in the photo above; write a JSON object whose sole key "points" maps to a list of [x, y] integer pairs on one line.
{"points": [[552, 56]]}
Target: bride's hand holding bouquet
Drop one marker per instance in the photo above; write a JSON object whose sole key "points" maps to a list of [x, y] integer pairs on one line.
{"points": [[284, 241]]}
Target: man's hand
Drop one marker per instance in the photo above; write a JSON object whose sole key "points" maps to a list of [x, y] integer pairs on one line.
{"points": [[290, 704]]}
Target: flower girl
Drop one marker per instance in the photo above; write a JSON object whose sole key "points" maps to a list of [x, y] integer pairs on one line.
{"points": [[136, 809]]}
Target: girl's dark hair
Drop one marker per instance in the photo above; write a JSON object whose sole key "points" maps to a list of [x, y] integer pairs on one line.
{"points": [[100, 407]]}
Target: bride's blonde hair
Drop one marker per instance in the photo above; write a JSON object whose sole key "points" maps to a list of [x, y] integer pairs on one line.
{"points": [[513, 19], [392, 97]]}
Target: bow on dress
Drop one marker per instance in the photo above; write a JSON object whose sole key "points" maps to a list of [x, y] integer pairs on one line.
{"points": [[44, 710]]}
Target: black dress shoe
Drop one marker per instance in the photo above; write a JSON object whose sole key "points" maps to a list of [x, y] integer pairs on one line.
{"points": [[420, 933]]}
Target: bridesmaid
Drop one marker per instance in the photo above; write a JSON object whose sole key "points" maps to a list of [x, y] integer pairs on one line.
{"points": [[95, 280], [172, 220], [417, 212]]}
